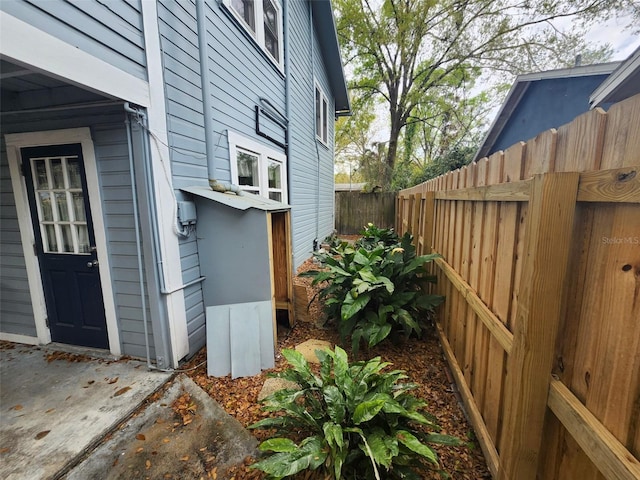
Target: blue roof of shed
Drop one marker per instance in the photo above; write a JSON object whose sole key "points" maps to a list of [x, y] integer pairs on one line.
{"points": [[325, 26], [518, 93]]}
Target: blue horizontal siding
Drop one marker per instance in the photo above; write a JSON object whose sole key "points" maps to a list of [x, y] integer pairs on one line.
{"points": [[311, 181], [110, 144], [16, 311], [111, 31]]}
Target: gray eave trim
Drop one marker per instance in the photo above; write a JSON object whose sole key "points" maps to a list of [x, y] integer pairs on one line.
{"points": [[239, 202], [325, 26], [519, 88], [623, 76]]}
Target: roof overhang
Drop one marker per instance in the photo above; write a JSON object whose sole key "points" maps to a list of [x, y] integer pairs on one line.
{"points": [[325, 26], [239, 202], [623, 83], [519, 88]]}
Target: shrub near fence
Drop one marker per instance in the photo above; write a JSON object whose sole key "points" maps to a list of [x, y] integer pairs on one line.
{"points": [[541, 272], [356, 209]]}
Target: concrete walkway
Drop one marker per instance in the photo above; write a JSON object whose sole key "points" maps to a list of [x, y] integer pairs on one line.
{"points": [[56, 406]]}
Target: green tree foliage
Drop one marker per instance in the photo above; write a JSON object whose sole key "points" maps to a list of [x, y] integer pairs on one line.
{"points": [[455, 158], [421, 58]]}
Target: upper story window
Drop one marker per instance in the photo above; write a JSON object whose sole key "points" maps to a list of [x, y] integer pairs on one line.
{"points": [[257, 168], [322, 116], [263, 20]]}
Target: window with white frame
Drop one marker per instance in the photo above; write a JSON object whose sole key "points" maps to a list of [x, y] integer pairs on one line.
{"points": [[263, 20], [322, 114], [258, 169]]}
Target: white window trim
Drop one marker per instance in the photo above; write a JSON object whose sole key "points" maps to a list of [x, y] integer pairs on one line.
{"points": [[82, 135], [324, 119], [258, 35], [264, 153]]}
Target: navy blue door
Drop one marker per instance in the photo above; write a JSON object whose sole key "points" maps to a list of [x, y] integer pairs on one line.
{"points": [[65, 244]]}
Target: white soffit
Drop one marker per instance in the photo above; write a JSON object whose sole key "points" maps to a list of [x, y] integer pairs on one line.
{"points": [[33, 48]]}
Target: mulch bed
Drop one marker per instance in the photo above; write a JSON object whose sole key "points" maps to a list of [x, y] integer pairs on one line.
{"points": [[422, 359]]}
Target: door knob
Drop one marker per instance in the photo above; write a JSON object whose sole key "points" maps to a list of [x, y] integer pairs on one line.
{"points": [[92, 264]]}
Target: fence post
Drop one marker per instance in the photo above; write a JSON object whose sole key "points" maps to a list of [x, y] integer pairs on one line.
{"points": [[547, 243]]}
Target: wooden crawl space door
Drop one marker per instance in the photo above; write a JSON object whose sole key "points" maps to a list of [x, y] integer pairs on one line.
{"points": [[281, 267]]}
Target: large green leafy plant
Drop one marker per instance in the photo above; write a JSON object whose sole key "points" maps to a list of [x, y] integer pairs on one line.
{"points": [[355, 421], [374, 287]]}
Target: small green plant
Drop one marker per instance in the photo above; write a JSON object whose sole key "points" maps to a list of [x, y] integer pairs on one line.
{"points": [[355, 421], [373, 236], [374, 289]]}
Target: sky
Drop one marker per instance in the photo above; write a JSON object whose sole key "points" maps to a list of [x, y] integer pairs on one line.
{"points": [[612, 32]]}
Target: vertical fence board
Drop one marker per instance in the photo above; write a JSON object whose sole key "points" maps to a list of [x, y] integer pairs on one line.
{"points": [[540, 154], [579, 149], [429, 208], [617, 361], [505, 260], [479, 353], [474, 266], [552, 205], [495, 353], [465, 255], [447, 251], [457, 337], [415, 221]]}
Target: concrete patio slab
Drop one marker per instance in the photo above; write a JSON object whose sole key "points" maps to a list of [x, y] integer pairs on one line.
{"points": [[54, 407], [157, 444]]}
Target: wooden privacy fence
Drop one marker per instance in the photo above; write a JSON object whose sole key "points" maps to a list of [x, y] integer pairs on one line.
{"points": [[540, 266], [355, 209]]}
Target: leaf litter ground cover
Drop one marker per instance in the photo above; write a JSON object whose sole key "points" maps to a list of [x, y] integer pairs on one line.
{"points": [[422, 359]]}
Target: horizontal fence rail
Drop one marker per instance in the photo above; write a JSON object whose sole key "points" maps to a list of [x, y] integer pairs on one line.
{"points": [[540, 267]]}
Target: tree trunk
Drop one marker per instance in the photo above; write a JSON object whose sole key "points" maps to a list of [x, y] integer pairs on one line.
{"points": [[392, 150]]}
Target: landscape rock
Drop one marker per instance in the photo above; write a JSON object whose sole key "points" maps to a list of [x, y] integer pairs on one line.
{"points": [[272, 385], [308, 349]]}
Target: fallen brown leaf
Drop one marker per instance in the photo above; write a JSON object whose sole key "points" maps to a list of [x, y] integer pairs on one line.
{"points": [[141, 437], [42, 434], [113, 380], [4, 450], [185, 458], [50, 410], [16, 407], [139, 449], [121, 391], [148, 464]]}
